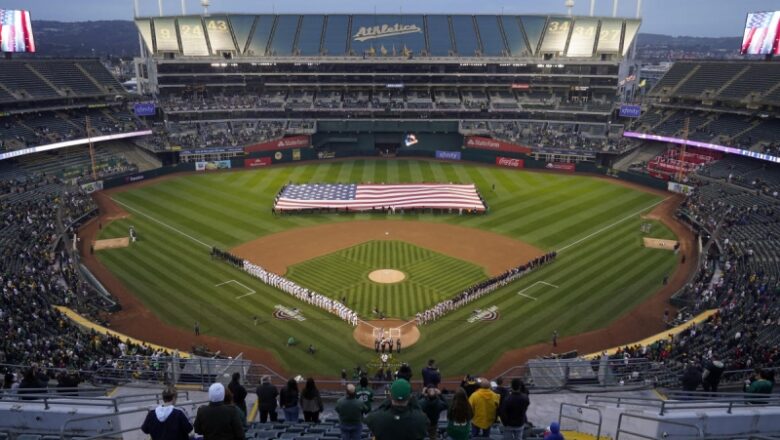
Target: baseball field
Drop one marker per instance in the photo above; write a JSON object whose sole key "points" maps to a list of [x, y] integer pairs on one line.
{"points": [[602, 272]]}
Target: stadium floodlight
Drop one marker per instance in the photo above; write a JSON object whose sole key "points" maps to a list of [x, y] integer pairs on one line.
{"points": [[205, 4], [638, 8], [592, 7], [569, 5]]}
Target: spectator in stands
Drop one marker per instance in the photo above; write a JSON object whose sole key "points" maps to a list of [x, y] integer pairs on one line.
{"points": [[365, 394], [311, 402], [459, 416], [288, 400], [398, 420], [498, 387], [431, 375], [30, 384], [166, 422], [691, 378], [484, 403], [404, 372], [711, 376], [553, 432], [513, 410], [266, 395], [350, 410], [217, 421], [239, 392], [432, 404], [231, 403], [469, 384], [760, 383]]}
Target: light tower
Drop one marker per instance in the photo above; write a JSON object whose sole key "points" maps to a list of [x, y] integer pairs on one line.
{"points": [[205, 4], [614, 8], [569, 5], [592, 7]]}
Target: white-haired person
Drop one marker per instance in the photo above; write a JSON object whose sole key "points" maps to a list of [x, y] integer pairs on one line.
{"points": [[217, 421]]}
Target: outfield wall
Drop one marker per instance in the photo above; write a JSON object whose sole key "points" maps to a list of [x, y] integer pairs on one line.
{"points": [[354, 150]]}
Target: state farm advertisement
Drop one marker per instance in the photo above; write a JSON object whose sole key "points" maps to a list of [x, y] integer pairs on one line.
{"points": [[280, 144], [509, 162], [484, 143], [257, 162], [559, 166]]}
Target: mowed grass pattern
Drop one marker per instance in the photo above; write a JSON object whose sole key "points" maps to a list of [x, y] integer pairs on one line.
{"points": [[430, 277], [600, 278]]}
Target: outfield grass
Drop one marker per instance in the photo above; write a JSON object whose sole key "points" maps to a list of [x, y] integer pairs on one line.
{"points": [[599, 278], [430, 277]]}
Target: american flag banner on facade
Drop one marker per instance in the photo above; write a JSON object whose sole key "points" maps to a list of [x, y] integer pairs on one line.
{"points": [[358, 197], [761, 34], [16, 31]]}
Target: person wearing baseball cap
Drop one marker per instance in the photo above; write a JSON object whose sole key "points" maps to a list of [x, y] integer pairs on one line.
{"points": [[398, 420], [217, 421]]}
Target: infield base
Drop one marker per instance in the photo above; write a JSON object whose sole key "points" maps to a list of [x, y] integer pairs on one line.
{"points": [[366, 332]]}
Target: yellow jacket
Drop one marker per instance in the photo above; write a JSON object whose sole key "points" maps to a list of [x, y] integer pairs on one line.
{"points": [[485, 405]]}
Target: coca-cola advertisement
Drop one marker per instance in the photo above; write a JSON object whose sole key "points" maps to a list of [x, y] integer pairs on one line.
{"points": [[257, 162], [509, 162], [560, 166], [484, 143], [281, 144]]}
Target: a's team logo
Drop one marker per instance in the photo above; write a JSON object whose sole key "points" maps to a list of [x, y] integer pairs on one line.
{"points": [[385, 30], [287, 314], [489, 314], [278, 155]]}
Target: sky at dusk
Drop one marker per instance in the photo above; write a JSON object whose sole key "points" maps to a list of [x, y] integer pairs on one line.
{"points": [[701, 18]]}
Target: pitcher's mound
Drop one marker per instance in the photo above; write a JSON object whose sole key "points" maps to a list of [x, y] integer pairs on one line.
{"points": [[387, 276]]}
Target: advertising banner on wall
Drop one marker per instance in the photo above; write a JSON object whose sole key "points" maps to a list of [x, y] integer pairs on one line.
{"points": [[296, 154], [91, 187], [212, 165], [630, 111], [448, 155], [559, 166], [257, 162], [679, 188], [509, 162], [144, 109], [281, 144], [484, 143]]}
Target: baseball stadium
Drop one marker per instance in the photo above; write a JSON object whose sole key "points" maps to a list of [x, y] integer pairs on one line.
{"points": [[348, 198]]}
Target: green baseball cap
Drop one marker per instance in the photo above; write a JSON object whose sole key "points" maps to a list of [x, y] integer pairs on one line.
{"points": [[400, 389]]}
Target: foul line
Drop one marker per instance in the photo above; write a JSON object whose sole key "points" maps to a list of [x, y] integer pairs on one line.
{"points": [[532, 285], [251, 291], [612, 225], [161, 223]]}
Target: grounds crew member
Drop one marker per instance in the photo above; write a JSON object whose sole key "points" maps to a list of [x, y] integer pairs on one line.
{"points": [[398, 420]]}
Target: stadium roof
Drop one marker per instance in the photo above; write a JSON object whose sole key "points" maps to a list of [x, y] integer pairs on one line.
{"points": [[369, 36]]}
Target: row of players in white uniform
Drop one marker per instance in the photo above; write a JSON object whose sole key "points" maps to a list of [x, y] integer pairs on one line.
{"points": [[464, 298], [302, 293]]}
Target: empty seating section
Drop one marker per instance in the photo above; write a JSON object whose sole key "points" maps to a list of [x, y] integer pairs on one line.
{"points": [[766, 131], [68, 78], [100, 74], [18, 77], [678, 71], [729, 125], [759, 79], [709, 77], [50, 79]]}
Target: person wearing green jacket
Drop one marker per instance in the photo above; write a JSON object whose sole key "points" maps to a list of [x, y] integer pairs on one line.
{"points": [[350, 410], [399, 420], [365, 394], [761, 385]]}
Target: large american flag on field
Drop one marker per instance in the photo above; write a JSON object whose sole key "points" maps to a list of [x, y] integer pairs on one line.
{"points": [[357, 197], [16, 31], [762, 33]]}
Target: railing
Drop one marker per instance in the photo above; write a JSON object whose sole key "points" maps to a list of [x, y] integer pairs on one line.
{"points": [[64, 431], [579, 409], [689, 400], [622, 430], [49, 399]]}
